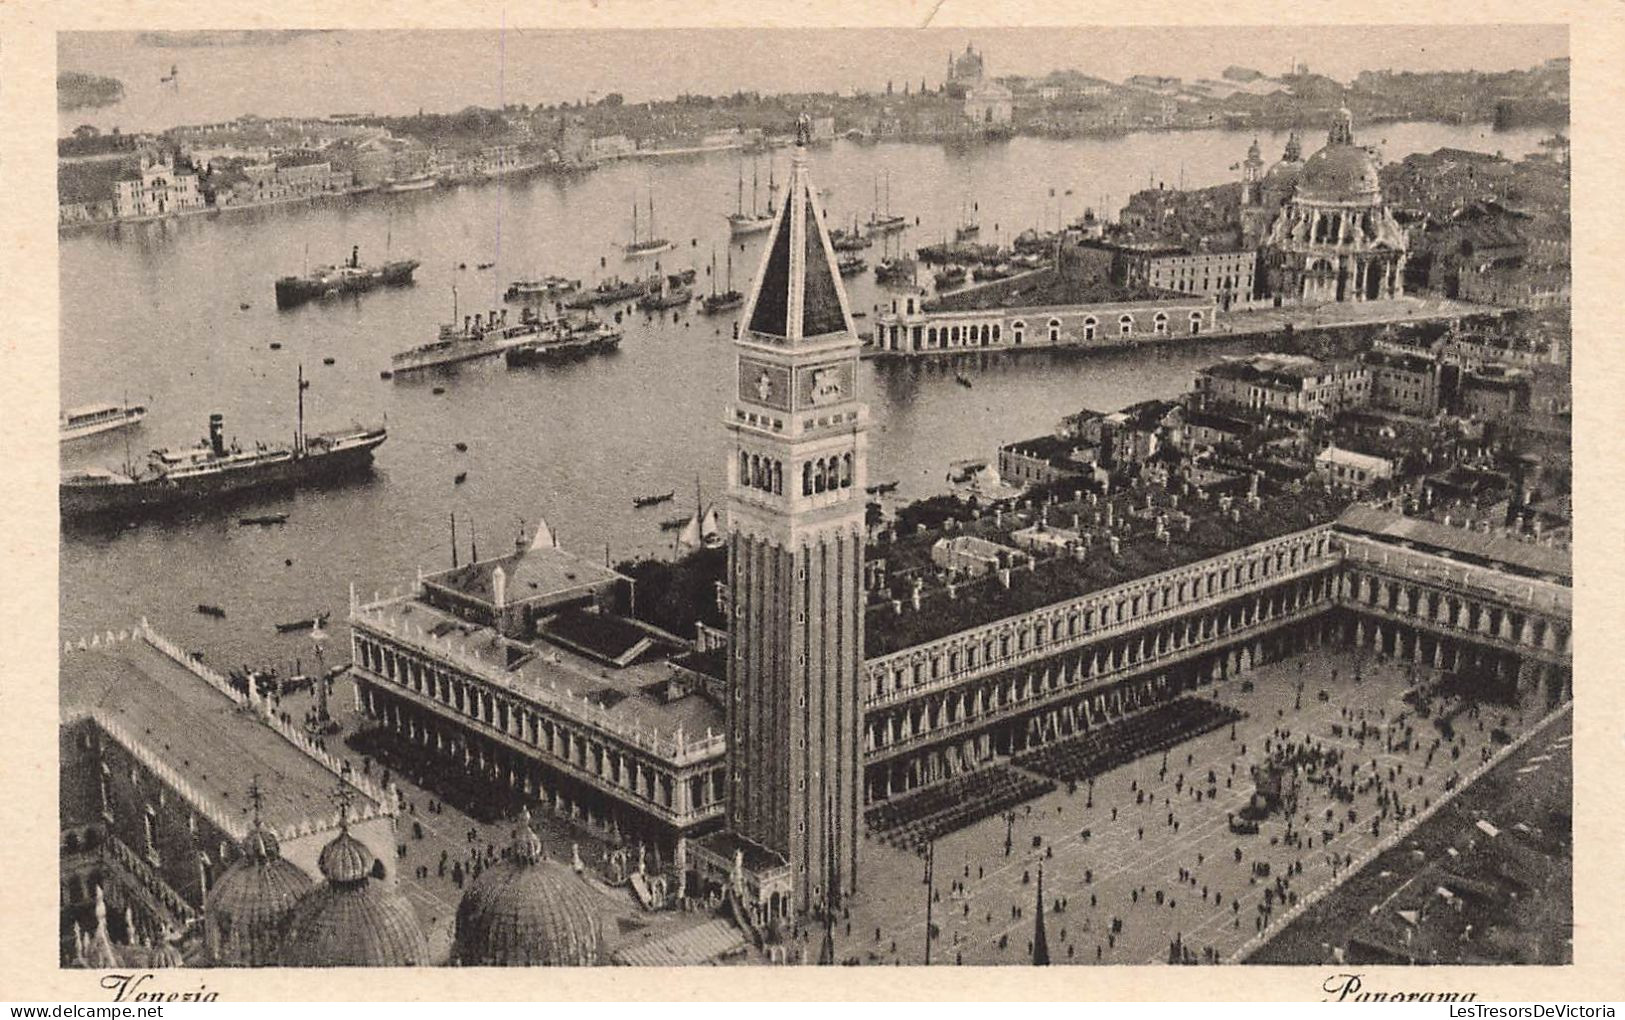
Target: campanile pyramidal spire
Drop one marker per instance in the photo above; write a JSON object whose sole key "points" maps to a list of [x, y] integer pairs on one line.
{"points": [[796, 482]]}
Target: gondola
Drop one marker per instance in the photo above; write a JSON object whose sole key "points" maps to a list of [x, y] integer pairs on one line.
{"points": [[643, 501], [293, 626]]}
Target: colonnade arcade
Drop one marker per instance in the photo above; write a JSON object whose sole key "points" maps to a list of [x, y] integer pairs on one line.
{"points": [[922, 740]]}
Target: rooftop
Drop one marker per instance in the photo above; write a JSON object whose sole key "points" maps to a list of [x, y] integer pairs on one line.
{"points": [[1491, 547], [1044, 288], [625, 700], [536, 573], [199, 734], [1061, 577]]}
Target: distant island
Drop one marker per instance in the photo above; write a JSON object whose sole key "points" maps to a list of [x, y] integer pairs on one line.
{"points": [[232, 37], [76, 90]]}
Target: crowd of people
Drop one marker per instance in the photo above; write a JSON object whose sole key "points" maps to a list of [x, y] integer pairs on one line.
{"points": [[1104, 748], [912, 820]]}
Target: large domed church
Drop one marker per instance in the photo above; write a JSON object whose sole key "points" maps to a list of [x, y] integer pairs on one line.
{"points": [[1330, 236]]}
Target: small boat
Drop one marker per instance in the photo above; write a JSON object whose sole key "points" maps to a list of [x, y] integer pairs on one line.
{"points": [[214, 611], [386, 374], [460, 447], [310, 623], [485, 265], [673, 523], [663, 497], [881, 488], [261, 519], [961, 380], [79, 422], [275, 346], [438, 390], [245, 306], [462, 476], [327, 361]]}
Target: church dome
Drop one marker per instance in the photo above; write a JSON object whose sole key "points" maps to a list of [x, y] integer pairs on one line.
{"points": [[1340, 173], [352, 920], [527, 911], [244, 912]]}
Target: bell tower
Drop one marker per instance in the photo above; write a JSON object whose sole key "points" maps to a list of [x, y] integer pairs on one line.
{"points": [[795, 563]]}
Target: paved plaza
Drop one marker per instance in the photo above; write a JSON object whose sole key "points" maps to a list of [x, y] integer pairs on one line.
{"points": [[1155, 852]]}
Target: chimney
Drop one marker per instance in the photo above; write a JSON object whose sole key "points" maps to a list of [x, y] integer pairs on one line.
{"points": [[499, 587], [1185, 523], [1173, 500], [915, 598], [466, 320], [1077, 494], [217, 441], [1076, 522], [897, 606], [1235, 514], [998, 516], [1004, 576], [1117, 544], [953, 591]]}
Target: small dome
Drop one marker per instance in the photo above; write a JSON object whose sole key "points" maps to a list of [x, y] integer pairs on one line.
{"points": [[527, 911], [1340, 173], [244, 912], [345, 859], [352, 920]]}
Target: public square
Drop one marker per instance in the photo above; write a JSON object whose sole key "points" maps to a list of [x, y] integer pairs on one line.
{"points": [[1155, 851]]}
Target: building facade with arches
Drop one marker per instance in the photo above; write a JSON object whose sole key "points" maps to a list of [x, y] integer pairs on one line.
{"points": [[908, 328]]}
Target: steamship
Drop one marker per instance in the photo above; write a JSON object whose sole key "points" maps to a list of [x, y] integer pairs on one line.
{"points": [[214, 469], [352, 276]]}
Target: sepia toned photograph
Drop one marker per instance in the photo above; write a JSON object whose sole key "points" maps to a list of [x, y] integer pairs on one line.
{"points": [[778, 497]]}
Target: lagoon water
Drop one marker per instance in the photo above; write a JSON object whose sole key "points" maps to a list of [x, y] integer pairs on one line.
{"points": [[152, 313]]}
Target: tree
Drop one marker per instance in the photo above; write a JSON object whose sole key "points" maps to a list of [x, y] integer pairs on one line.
{"points": [[614, 99], [84, 131]]}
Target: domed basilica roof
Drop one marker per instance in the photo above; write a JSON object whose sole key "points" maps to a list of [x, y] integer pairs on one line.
{"points": [[244, 912], [527, 911], [1342, 171], [353, 919]]}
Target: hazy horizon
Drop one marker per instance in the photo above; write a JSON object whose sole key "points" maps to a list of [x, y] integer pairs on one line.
{"points": [[394, 72]]}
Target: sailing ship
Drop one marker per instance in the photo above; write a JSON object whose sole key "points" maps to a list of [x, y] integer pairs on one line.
{"points": [[479, 336], [851, 264], [93, 419], [968, 229], [213, 470], [704, 529], [741, 223], [842, 239], [352, 276], [638, 248], [888, 223], [722, 301], [953, 276]]}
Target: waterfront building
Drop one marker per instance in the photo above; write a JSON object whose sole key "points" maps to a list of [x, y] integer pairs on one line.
{"points": [[1075, 303], [1224, 276], [521, 669], [157, 187], [1290, 383], [796, 480], [1334, 238], [989, 105], [157, 751], [1044, 460]]}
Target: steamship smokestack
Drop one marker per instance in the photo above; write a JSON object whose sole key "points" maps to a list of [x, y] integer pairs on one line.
{"points": [[217, 441]]}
